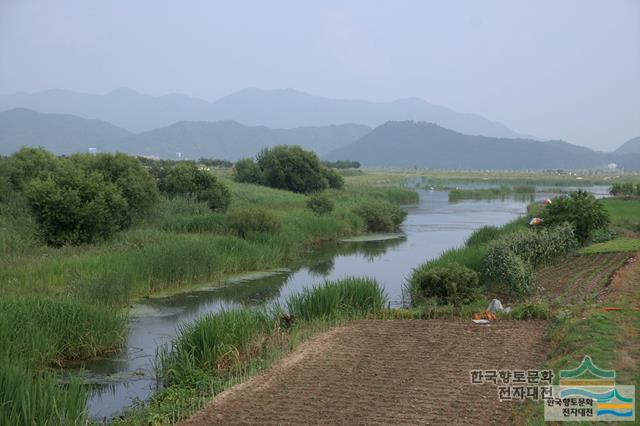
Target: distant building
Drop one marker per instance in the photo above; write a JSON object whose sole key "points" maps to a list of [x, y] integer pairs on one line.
{"points": [[612, 166], [93, 151]]}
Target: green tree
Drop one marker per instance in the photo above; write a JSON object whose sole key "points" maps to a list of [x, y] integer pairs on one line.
{"points": [[28, 164], [74, 206], [581, 209], [134, 181], [335, 180], [186, 179], [247, 171], [292, 168]]}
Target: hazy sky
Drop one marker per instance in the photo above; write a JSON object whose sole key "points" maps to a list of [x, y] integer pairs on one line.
{"points": [[550, 68]]}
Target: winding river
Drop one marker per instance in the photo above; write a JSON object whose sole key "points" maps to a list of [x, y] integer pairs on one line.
{"points": [[431, 227]]}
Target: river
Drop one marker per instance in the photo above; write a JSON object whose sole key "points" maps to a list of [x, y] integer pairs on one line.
{"points": [[432, 226]]}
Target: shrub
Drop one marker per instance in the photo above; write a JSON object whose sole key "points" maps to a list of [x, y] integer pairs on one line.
{"points": [[127, 173], [320, 203], [602, 235], [187, 179], [247, 171], [531, 311], [73, 206], [249, 221], [381, 216], [217, 196], [581, 209], [506, 267], [292, 168], [540, 246], [335, 180], [347, 297], [448, 284], [28, 164]]}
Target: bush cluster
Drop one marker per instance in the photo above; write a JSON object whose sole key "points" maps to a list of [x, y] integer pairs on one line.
{"points": [[81, 198], [628, 189], [246, 222], [451, 283], [381, 216], [320, 203], [581, 209], [188, 180], [510, 260], [288, 167]]}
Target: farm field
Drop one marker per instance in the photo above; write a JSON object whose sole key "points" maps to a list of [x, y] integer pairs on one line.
{"points": [[579, 279], [385, 371]]}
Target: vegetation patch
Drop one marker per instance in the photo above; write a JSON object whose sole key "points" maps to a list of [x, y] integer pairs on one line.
{"points": [[221, 349], [491, 193], [613, 246]]}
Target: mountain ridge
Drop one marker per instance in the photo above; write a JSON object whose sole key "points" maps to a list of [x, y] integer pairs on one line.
{"points": [[429, 145], [275, 108]]}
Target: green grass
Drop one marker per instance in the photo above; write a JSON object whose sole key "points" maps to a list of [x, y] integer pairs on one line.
{"points": [[471, 255], [27, 402], [537, 178], [624, 212], [219, 350], [491, 193], [613, 246], [351, 296], [82, 291], [38, 332]]}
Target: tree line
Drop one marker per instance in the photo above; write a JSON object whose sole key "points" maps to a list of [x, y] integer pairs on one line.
{"points": [[85, 198]]}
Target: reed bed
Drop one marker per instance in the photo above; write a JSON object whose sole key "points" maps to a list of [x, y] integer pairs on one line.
{"points": [[221, 349]]}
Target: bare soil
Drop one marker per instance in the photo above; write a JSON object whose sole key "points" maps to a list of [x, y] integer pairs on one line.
{"points": [[386, 372]]}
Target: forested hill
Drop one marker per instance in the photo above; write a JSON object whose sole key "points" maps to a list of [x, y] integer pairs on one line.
{"points": [[410, 143], [59, 133]]}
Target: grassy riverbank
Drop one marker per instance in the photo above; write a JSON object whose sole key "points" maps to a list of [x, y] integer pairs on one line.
{"points": [[63, 304], [222, 349]]}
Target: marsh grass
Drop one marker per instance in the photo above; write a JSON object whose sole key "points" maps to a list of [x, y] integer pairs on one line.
{"points": [[82, 290], [39, 331], [491, 193], [27, 401], [214, 342], [350, 296], [224, 348]]}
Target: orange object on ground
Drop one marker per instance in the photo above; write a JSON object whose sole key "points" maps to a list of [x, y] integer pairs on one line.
{"points": [[612, 309], [488, 315]]}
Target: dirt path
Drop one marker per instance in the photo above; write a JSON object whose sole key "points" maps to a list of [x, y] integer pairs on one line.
{"points": [[385, 372]]}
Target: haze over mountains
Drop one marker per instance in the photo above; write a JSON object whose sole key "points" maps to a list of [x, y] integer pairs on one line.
{"points": [[59, 133], [229, 140], [427, 145], [282, 108], [632, 146], [403, 143]]}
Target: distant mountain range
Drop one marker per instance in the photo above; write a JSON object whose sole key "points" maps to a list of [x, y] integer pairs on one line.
{"points": [[409, 143], [632, 146], [59, 133], [283, 108], [395, 143], [229, 140]]}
